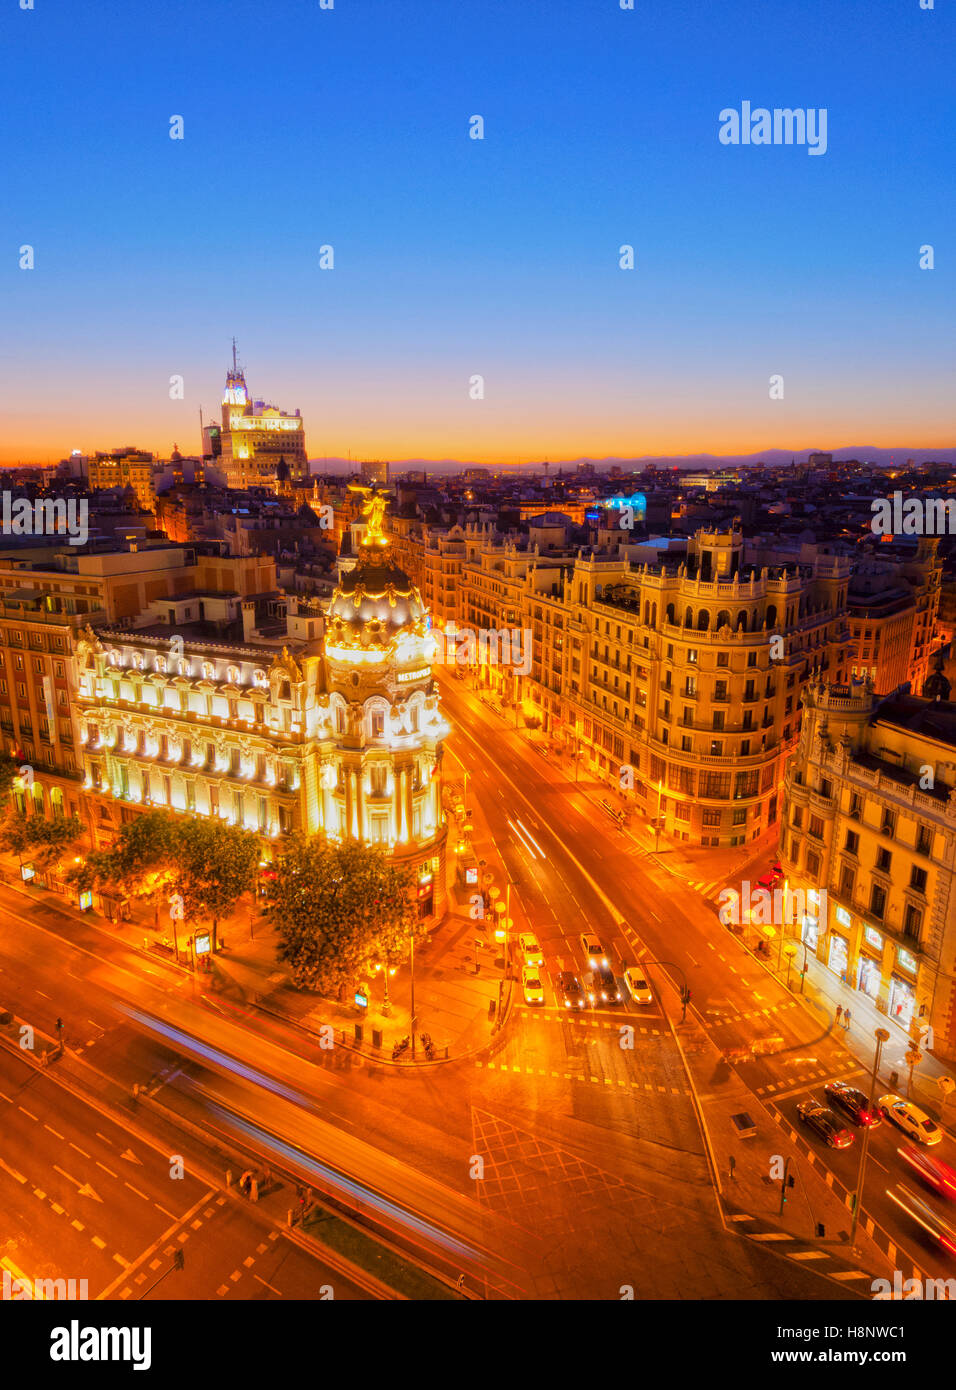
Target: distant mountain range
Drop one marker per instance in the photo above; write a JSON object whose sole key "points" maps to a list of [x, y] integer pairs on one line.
{"points": [[774, 458]]}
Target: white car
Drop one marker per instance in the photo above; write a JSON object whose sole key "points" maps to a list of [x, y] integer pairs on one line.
{"points": [[594, 952], [914, 1122], [532, 986], [530, 949], [636, 983]]}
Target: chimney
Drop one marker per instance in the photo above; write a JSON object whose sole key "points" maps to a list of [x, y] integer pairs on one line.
{"points": [[248, 619]]}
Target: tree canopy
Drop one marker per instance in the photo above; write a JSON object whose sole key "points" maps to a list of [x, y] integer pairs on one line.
{"points": [[337, 909], [208, 863], [45, 840]]}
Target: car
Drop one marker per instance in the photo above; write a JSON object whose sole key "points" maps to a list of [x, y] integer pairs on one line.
{"points": [[852, 1102], [530, 949], [531, 985], [910, 1119], [776, 873], [638, 986], [594, 952], [570, 992], [939, 1175], [921, 1212], [825, 1124], [767, 882], [602, 988]]}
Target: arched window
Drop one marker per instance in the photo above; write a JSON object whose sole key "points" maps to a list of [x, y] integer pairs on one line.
{"points": [[688, 618], [741, 621], [669, 614], [771, 614], [703, 620], [723, 618]]}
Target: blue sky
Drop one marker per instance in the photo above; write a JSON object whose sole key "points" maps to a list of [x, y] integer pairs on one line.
{"points": [[349, 127]]}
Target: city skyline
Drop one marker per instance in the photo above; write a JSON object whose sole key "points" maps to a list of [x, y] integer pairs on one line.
{"points": [[455, 257]]}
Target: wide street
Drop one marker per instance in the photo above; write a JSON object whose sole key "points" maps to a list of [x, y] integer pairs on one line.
{"points": [[555, 1163]]}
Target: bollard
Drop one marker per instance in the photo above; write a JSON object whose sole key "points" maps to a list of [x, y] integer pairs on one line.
{"points": [[376, 1037], [359, 1032]]}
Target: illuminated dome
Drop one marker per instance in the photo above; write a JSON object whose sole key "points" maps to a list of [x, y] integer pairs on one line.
{"points": [[373, 604]]}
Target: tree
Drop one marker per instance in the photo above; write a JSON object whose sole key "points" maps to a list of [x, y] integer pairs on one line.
{"points": [[45, 840], [14, 832], [49, 839], [337, 909], [215, 864], [9, 769]]}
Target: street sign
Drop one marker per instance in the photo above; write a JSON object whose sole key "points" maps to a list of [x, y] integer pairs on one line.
{"points": [[202, 943]]}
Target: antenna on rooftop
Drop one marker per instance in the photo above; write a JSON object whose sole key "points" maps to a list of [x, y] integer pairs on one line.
{"points": [[234, 365]]}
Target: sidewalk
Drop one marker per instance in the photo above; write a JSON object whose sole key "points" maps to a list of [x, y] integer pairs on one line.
{"points": [[455, 1003]]}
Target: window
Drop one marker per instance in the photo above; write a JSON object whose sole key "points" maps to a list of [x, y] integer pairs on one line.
{"points": [[912, 921], [711, 818], [856, 806], [883, 860], [718, 719], [813, 864], [723, 658], [378, 723], [924, 840], [918, 879], [852, 844], [847, 880], [751, 658], [877, 901], [826, 788], [888, 824], [816, 827], [796, 817], [740, 815], [692, 656]]}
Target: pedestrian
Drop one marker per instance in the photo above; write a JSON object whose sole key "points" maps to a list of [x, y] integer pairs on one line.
{"points": [[733, 1168], [839, 1014], [229, 1177], [846, 1018]]}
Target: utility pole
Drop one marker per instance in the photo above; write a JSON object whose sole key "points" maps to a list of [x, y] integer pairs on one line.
{"points": [[411, 942], [178, 1263], [882, 1036]]}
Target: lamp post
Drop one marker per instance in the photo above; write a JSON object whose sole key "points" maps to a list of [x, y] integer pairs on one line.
{"points": [[411, 944], [790, 952], [657, 821], [882, 1036], [386, 1002]]}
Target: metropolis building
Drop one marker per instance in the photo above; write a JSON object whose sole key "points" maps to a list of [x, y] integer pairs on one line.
{"points": [[333, 728]]}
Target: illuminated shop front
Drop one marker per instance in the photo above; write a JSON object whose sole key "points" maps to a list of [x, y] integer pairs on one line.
{"points": [[868, 976], [869, 971], [902, 1000], [839, 954]]}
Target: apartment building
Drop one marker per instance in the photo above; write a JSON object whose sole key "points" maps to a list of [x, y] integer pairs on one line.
{"points": [[894, 601], [680, 661], [869, 815], [122, 468]]}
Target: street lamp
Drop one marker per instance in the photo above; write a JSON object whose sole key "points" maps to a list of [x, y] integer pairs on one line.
{"points": [[882, 1036], [790, 952]]}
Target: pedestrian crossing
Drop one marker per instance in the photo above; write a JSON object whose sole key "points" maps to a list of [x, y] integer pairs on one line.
{"points": [[594, 1080], [711, 889], [581, 1020]]}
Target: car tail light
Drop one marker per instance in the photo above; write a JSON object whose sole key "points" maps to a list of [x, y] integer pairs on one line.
{"points": [[948, 1244]]}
